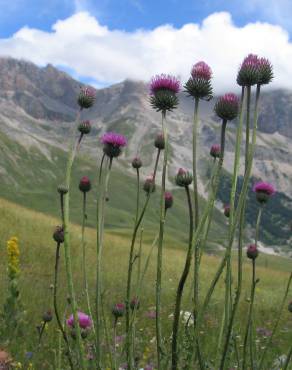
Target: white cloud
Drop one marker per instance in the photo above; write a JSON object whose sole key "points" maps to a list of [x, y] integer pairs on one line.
{"points": [[83, 45]]}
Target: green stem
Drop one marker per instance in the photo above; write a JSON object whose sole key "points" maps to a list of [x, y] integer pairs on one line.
{"points": [[160, 247], [186, 270], [67, 249], [195, 178], [138, 195], [115, 343], [85, 281], [129, 341], [57, 259], [101, 200], [247, 127], [240, 213]]}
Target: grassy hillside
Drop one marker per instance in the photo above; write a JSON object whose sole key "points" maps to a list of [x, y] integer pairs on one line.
{"points": [[37, 260]]}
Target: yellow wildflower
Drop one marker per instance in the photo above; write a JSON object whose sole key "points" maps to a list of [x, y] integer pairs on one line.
{"points": [[13, 257]]}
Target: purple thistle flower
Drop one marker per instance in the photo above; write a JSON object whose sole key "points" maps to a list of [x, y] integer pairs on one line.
{"points": [[263, 191], [201, 70], [252, 251], [84, 320], [227, 107], [248, 71], [164, 82], [84, 184], [183, 178], [118, 310], [113, 143], [168, 199], [215, 151]]}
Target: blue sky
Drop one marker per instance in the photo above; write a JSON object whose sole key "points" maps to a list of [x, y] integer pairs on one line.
{"points": [[101, 42], [132, 14]]}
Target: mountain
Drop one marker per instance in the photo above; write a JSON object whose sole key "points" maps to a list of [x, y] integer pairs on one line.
{"points": [[37, 110]]}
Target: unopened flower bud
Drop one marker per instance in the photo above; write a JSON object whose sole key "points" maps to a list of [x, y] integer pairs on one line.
{"points": [[227, 210], [58, 234], [252, 251], [48, 316], [168, 199], [84, 184], [183, 178], [62, 189], [135, 304], [159, 142], [86, 97], [84, 127], [149, 185], [136, 163], [215, 151], [118, 310]]}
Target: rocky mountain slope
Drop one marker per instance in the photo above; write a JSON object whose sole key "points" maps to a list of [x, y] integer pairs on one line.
{"points": [[38, 106]]}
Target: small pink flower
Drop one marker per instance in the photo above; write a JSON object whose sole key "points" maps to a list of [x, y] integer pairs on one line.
{"points": [[201, 70], [164, 82], [215, 150], [84, 320], [151, 314]]}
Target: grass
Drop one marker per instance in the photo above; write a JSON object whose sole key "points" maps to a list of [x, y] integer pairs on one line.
{"points": [[34, 231]]}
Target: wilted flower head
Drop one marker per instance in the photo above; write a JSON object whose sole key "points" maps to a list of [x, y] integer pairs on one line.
{"points": [[83, 319], [84, 127], [265, 70], [252, 251], [118, 310], [86, 97], [58, 234], [112, 143], [248, 71], [263, 191], [201, 70], [168, 199], [227, 210], [215, 151], [149, 184], [227, 107], [163, 90], [136, 163], [183, 178], [84, 184], [199, 85], [159, 142]]}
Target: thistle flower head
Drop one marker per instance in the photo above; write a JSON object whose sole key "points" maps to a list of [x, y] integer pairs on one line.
{"points": [[149, 184], [47, 316], [227, 210], [84, 127], [86, 97], [183, 178], [159, 142], [58, 234], [199, 85], [215, 151], [84, 184], [227, 107], [248, 71], [112, 143], [84, 321], [201, 70], [168, 199], [265, 71], [263, 191], [163, 90], [118, 310], [136, 163], [252, 251], [62, 189]]}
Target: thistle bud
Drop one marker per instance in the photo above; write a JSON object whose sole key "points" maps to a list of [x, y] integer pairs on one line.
{"points": [[252, 251], [168, 199], [149, 185], [227, 107], [263, 191], [136, 163], [183, 178], [62, 189], [159, 142], [118, 310], [84, 184], [84, 127], [227, 210], [48, 316], [163, 92], [58, 234], [135, 304], [86, 97], [215, 151]]}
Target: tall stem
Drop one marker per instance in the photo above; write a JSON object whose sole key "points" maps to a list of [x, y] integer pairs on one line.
{"points": [[240, 211], [174, 353], [101, 200], [67, 249], [68, 352], [195, 178], [160, 246], [129, 341], [138, 195], [85, 281]]}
